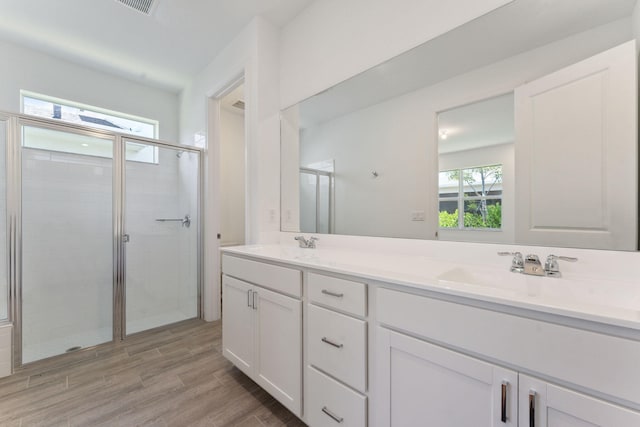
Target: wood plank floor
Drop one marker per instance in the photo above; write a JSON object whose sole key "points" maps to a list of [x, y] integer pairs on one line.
{"points": [[173, 377]]}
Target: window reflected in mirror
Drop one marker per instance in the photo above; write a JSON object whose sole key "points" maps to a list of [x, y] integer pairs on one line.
{"points": [[471, 198], [475, 158]]}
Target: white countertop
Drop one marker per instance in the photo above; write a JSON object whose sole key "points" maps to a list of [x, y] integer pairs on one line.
{"points": [[611, 302]]}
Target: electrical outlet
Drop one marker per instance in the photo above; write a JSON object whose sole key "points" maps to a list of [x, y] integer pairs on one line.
{"points": [[417, 215]]}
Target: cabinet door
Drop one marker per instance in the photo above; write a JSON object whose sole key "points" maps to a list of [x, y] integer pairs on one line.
{"points": [[238, 323], [577, 152], [426, 385], [279, 347], [547, 405]]}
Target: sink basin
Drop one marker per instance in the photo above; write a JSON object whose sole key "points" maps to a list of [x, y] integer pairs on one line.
{"points": [[600, 297]]}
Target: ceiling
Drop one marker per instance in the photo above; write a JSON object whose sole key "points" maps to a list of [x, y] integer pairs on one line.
{"points": [[478, 125], [165, 49]]}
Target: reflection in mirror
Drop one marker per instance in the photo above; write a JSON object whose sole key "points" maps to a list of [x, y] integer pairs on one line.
{"points": [[476, 180], [316, 194], [553, 152]]}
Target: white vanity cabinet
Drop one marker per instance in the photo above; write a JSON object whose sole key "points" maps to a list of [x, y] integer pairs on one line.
{"points": [[542, 404], [336, 345], [262, 328], [424, 384], [348, 348]]}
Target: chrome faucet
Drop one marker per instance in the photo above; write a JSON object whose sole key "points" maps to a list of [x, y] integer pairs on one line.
{"points": [[533, 266], [304, 243], [530, 264], [517, 263], [551, 267]]}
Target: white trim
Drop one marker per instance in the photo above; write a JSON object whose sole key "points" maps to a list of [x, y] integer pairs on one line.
{"points": [[212, 278]]}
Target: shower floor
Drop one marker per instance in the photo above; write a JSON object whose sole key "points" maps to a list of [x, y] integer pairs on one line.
{"points": [[150, 322], [43, 349], [32, 352]]}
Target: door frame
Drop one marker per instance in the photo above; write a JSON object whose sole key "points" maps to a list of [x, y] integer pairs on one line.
{"points": [[14, 218], [120, 230], [212, 305]]}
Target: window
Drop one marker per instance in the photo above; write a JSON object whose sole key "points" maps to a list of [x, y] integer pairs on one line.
{"points": [[471, 198], [73, 112], [67, 111]]}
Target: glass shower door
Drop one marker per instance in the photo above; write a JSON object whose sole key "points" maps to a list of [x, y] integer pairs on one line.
{"points": [[67, 241], [161, 225]]}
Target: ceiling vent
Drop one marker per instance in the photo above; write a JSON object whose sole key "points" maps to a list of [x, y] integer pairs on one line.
{"points": [[238, 104], [144, 6]]}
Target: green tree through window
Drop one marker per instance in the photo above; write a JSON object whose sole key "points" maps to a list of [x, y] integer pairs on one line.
{"points": [[471, 198]]}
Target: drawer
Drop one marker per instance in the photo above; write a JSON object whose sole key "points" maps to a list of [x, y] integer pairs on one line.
{"points": [[336, 344], [280, 279], [343, 295], [329, 403]]}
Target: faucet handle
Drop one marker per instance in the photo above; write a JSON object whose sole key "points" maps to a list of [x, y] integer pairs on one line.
{"points": [[551, 267], [312, 242], [517, 263]]}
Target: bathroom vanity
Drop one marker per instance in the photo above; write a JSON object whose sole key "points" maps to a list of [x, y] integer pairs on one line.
{"points": [[372, 339]]}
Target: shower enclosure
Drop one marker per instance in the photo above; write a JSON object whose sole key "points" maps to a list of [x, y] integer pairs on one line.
{"points": [[104, 235], [316, 201]]}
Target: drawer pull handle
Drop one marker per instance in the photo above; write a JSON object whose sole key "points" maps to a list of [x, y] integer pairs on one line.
{"points": [[249, 299], [333, 416], [532, 408], [325, 340], [503, 404], [333, 294]]}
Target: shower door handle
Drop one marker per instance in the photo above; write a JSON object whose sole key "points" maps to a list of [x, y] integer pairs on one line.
{"points": [[126, 238]]}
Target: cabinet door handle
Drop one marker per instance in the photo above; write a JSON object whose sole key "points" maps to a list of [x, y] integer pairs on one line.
{"points": [[333, 416], [532, 408], [503, 402], [249, 299], [333, 294], [325, 340], [255, 301]]}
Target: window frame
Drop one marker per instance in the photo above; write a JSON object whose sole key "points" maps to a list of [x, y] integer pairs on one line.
{"points": [[91, 108], [460, 198], [154, 160]]}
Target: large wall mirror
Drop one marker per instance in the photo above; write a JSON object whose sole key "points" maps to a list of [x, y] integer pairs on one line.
{"points": [[519, 127]]}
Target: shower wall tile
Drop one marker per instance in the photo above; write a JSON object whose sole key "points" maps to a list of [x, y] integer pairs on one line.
{"points": [[6, 333], [68, 244], [67, 249]]}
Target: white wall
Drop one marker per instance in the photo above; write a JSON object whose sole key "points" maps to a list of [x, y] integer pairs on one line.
{"points": [[332, 40], [397, 138], [232, 177], [34, 71], [254, 54], [635, 20], [290, 176]]}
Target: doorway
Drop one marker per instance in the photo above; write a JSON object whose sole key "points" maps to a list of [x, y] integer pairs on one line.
{"points": [[232, 167]]}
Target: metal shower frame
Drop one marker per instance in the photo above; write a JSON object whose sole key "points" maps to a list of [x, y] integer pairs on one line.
{"points": [[15, 122]]}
